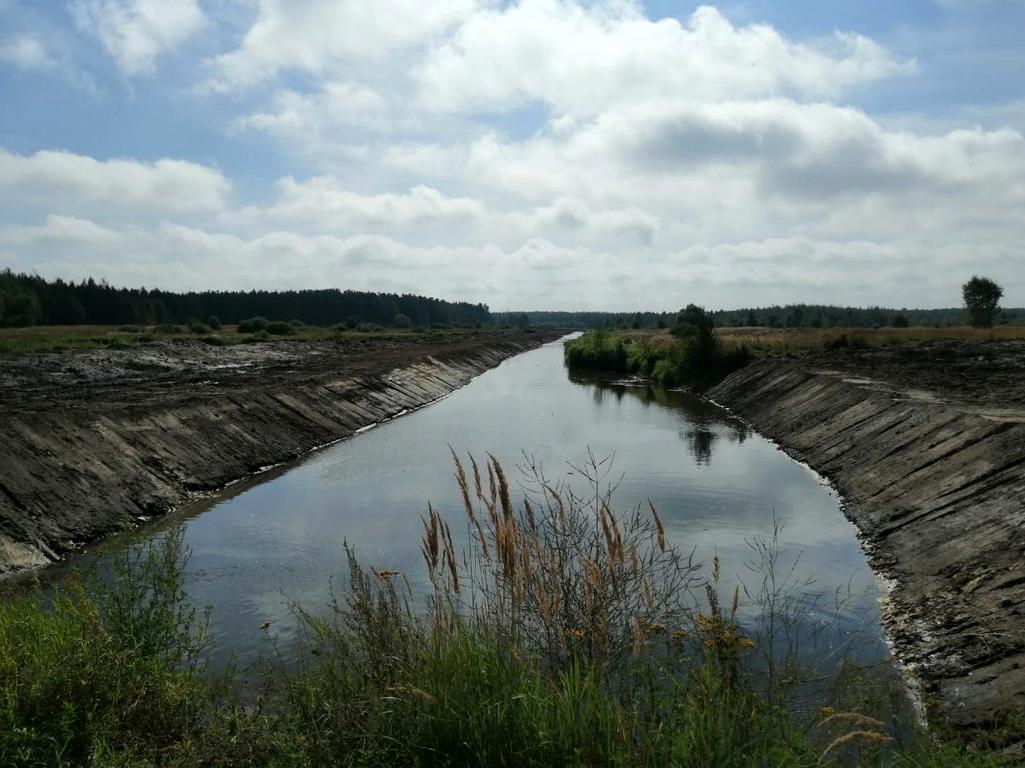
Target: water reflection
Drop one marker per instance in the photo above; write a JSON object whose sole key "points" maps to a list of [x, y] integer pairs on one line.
{"points": [[703, 423], [278, 539]]}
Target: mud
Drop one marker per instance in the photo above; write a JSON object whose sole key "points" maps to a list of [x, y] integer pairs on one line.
{"points": [[93, 441], [926, 443]]}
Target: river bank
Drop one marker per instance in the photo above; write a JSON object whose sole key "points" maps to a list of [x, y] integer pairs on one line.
{"points": [[926, 444], [93, 441]]}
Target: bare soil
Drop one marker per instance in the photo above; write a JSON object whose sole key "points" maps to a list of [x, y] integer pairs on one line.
{"points": [[973, 373], [92, 441]]}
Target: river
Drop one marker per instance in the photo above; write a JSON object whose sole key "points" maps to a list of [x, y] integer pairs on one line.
{"points": [[263, 545]]}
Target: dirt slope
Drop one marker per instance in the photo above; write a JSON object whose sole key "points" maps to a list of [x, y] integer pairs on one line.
{"points": [[927, 445], [93, 440]]}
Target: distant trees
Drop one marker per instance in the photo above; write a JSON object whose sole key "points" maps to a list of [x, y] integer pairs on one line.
{"points": [[982, 301], [33, 300]]}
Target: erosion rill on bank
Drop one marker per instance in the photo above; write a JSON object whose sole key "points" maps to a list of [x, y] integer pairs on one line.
{"points": [[936, 485], [94, 440]]}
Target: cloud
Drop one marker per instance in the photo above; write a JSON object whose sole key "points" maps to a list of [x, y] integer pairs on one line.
{"points": [[587, 59], [55, 178], [27, 52], [136, 32], [425, 214], [317, 37], [532, 275]]}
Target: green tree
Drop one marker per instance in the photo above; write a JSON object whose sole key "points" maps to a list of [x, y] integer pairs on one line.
{"points": [[982, 301]]}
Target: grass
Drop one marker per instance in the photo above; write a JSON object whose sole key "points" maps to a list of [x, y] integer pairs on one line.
{"points": [[768, 341], [564, 635], [50, 338]]}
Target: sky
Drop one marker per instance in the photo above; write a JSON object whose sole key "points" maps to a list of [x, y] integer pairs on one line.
{"points": [[539, 154]]}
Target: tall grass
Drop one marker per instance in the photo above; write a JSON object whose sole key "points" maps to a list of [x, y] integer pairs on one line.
{"points": [[564, 633]]}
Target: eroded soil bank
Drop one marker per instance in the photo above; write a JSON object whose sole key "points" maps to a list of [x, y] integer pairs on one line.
{"points": [[93, 440], [926, 442]]}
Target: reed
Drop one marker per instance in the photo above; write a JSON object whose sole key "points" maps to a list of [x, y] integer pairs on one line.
{"points": [[564, 633]]}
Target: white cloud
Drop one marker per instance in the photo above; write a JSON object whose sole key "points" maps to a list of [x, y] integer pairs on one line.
{"points": [[532, 275], [587, 59], [27, 52], [324, 199], [322, 115], [318, 37], [658, 162], [425, 214], [136, 32], [59, 179]]}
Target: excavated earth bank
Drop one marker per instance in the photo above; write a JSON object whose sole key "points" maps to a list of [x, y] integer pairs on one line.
{"points": [[93, 440], [926, 443]]}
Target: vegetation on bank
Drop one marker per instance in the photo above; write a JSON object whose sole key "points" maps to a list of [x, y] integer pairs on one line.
{"points": [[564, 635], [690, 354], [32, 300]]}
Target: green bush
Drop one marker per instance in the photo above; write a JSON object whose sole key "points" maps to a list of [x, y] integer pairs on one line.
{"points": [[214, 322], [197, 327], [94, 669], [280, 328], [695, 357], [252, 325]]}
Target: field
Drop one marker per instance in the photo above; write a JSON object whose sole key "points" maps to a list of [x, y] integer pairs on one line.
{"points": [[53, 338], [784, 340]]}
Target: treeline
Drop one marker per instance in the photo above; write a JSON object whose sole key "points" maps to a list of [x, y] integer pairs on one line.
{"points": [[777, 316], [32, 300]]}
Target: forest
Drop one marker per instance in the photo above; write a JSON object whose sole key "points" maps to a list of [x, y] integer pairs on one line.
{"points": [[32, 300], [786, 316]]}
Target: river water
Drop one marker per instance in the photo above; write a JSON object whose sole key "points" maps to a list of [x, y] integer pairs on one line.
{"points": [[268, 543]]}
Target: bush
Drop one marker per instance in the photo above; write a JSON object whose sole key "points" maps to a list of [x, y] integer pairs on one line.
{"points": [[167, 328], [297, 324], [252, 325], [214, 322], [197, 327], [101, 669], [280, 328], [401, 321]]}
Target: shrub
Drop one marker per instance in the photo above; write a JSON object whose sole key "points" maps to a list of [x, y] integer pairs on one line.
{"points": [[252, 325], [101, 669], [167, 328], [297, 324], [197, 327], [401, 321], [214, 322], [280, 328]]}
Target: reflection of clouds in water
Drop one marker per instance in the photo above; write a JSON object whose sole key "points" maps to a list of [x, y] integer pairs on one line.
{"points": [[715, 483]]}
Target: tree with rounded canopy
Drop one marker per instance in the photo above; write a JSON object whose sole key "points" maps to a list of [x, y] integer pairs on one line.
{"points": [[982, 301]]}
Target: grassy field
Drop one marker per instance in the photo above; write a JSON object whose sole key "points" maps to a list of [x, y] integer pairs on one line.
{"points": [[46, 338], [564, 635], [783, 340]]}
